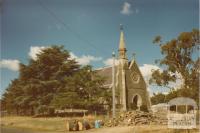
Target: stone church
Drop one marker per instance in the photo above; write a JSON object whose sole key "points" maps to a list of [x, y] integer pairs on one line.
{"points": [[130, 87]]}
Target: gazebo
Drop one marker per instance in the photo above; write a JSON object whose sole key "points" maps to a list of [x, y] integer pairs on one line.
{"points": [[184, 118]]}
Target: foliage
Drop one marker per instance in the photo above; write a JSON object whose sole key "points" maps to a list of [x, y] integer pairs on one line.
{"points": [[180, 61], [53, 80], [158, 98], [163, 98]]}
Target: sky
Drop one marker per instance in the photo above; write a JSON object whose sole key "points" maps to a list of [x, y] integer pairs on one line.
{"points": [[89, 29]]}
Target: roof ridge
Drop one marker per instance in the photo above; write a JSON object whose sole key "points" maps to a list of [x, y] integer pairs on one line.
{"points": [[104, 67]]}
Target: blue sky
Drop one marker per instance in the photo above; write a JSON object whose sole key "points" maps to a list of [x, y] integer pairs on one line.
{"points": [[90, 29]]}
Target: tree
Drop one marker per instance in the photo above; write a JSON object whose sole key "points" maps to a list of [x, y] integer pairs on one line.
{"points": [[158, 98], [83, 90], [53, 79], [179, 58]]}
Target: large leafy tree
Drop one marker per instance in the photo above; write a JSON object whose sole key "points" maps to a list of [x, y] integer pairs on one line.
{"points": [[84, 90], [53, 79], [180, 57]]}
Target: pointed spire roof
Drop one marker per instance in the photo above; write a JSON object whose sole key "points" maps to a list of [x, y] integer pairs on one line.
{"points": [[122, 45]]}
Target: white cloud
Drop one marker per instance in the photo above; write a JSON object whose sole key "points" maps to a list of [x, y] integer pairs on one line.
{"points": [[146, 70], [126, 9], [109, 62], [34, 50], [85, 59], [179, 81], [10, 64]]}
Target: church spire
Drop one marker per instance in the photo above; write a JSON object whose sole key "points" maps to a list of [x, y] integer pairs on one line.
{"points": [[122, 46]]}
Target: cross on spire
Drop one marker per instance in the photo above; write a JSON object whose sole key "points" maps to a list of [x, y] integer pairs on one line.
{"points": [[121, 27], [133, 55]]}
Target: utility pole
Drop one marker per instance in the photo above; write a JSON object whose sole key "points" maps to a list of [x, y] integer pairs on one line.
{"points": [[113, 85]]}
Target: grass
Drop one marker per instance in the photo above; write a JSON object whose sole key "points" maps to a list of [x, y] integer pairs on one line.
{"points": [[58, 124], [47, 124]]}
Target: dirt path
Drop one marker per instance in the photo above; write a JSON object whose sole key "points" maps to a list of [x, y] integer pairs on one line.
{"points": [[110, 130], [138, 129], [101, 130]]}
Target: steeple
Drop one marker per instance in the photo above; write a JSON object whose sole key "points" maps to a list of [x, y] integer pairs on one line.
{"points": [[122, 46], [123, 65]]}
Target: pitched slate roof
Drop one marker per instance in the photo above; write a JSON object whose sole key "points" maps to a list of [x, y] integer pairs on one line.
{"points": [[105, 72]]}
